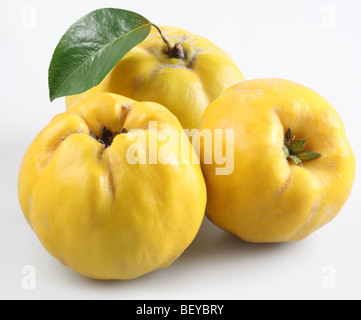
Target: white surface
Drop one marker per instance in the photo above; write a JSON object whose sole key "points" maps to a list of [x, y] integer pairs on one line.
{"points": [[315, 43]]}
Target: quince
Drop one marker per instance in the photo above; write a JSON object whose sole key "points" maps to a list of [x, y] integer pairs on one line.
{"points": [[185, 78], [293, 165], [100, 207]]}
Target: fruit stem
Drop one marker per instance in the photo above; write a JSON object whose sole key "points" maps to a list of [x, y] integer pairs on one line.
{"points": [[107, 136], [173, 52]]}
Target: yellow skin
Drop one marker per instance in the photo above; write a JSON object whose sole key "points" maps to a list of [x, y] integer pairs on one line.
{"points": [[94, 211], [186, 87], [268, 198]]}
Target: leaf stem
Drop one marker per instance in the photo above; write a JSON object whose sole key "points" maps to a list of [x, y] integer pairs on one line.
{"points": [[169, 47]]}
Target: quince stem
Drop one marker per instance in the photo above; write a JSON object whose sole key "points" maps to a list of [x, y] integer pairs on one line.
{"points": [[107, 136], [173, 52], [296, 150]]}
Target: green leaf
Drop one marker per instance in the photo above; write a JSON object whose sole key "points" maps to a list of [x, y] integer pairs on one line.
{"points": [[308, 156], [297, 146], [92, 47]]}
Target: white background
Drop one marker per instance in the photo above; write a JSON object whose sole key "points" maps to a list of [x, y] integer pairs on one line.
{"points": [[313, 42]]}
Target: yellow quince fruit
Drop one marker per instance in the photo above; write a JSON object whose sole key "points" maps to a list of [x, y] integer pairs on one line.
{"points": [[107, 192], [293, 165], [185, 78]]}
